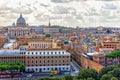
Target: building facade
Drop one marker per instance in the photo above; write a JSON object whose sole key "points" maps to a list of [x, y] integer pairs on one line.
{"points": [[21, 28], [38, 55]]}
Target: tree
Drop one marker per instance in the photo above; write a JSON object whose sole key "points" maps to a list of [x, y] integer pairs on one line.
{"points": [[107, 69], [88, 73], [90, 79], [114, 55], [68, 77], [47, 35], [106, 77], [116, 73], [113, 78]]}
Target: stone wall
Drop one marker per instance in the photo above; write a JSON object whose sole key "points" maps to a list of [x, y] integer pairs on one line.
{"points": [[84, 62]]}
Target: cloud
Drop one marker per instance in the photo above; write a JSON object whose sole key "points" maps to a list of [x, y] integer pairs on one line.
{"points": [[24, 11], [79, 17], [44, 5], [110, 6], [61, 1], [63, 10], [60, 10]]}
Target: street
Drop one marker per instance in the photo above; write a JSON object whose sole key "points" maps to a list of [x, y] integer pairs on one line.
{"points": [[76, 68]]}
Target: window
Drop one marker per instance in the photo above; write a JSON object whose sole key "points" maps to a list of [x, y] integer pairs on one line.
{"points": [[36, 69], [59, 52], [51, 68], [51, 61], [66, 60], [59, 68], [48, 61], [55, 52], [51, 52], [40, 52], [28, 69]]}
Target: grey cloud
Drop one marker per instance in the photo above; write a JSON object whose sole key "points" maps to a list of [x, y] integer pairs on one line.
{"points": [[4, 10], [70, 20], [60, 10], [22, 9], [104, 12], [61, 1], [46, 17], [79, 16], [110, 6], [25, 11], [91, 12], [38, 16], [66, 1], [44, 5], [63, 10]]}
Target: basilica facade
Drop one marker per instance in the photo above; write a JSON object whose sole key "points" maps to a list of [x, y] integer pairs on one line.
{"points": [[21, 28]]}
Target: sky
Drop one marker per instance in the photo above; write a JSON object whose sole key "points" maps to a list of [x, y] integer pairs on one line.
{"points": [[70, 13]]}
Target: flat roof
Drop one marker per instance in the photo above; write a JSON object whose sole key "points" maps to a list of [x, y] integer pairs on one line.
{"points": [[17, 53], [91, 54], [9, 52]]}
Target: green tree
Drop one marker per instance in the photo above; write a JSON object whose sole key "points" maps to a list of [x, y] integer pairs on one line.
{"points": [[116, 73], [90, 79], [88, 73], [107, 69], [68, 77], [47, 35], [106, 77], [113, 78]]}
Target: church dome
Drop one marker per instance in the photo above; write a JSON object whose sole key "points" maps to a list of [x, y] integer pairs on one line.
{"points": [[21, 20]]}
